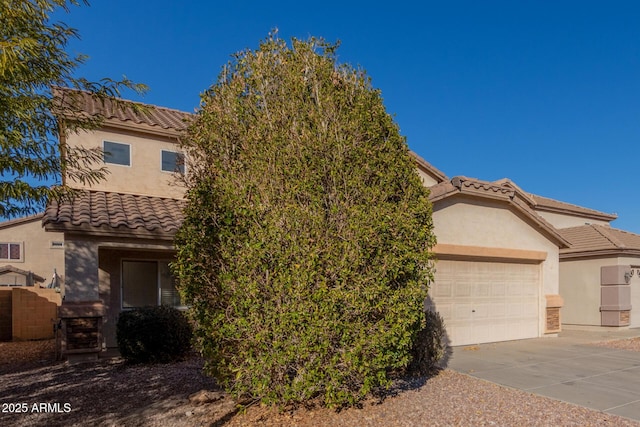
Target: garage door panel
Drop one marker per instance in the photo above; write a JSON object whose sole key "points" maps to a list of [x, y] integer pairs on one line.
{"points": [[462, 289], [483, 289], [444, 289], [498, 289], [487, 301], [462, 312]]}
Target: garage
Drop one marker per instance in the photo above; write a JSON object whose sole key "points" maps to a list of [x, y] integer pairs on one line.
{"points": [[487, 301]]}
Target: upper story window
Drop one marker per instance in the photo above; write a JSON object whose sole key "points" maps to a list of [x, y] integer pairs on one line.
{"points": [[117, 153], [10, 251], [172, 161]]}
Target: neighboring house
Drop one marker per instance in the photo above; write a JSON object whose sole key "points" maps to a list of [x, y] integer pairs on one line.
{"points": [[497, 271], [599, 273], [29, 255]]}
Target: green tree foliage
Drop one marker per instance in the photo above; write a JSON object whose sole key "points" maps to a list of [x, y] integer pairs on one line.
{"points": [[33, 61], [305, 251]]}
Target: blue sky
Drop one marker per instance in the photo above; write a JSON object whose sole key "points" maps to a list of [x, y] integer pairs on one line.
{"points": [[546, 93]]}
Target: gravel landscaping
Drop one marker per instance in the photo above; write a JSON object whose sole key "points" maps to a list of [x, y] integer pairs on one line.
{"points": [[111, 393]]}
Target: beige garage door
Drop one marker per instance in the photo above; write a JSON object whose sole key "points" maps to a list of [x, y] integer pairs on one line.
{"points": [[487, 301]]}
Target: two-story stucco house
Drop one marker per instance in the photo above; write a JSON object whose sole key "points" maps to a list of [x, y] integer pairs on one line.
{"points": [[118, 235], [498, 275]]}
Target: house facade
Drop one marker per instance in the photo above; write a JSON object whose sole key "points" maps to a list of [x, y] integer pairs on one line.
{"points": [[497, 274], [504, 256], [599, 271], [118, 234]]}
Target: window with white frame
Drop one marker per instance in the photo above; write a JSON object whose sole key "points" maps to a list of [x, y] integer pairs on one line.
{"points": [[10, 251], [147, 283], [116, 153], [172, 161]]}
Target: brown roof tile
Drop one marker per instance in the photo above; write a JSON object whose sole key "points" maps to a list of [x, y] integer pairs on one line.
{"points": [[72, 101], [442, 190], [592, 238], [551, 205], [428, 167], [104, 212], [504, 191]]}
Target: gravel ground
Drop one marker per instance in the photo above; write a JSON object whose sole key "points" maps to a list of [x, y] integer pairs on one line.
{"points": [[111, 393]]}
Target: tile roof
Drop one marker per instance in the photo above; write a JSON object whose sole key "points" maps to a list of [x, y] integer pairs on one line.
{"points": [[428, 167], [101, 212], [11, 269], [594, 239], [504, 191], [71, 101], [551, 205], [462, 184], [22, 220]]}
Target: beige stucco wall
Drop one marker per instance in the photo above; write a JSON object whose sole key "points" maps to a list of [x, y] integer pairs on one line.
{"points": [[427, 179], [38, 256], [461, 220], [565, 221], [580, 288], [81, 261], [145, 175]]}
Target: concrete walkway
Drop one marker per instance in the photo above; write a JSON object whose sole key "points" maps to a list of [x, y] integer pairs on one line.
{"points": [[565, 368]]}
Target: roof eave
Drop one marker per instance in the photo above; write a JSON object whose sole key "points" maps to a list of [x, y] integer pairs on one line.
{"points": [[107, 231], [506, 197], [23, 220], [596, 216], [429, 168], [598, 253]]}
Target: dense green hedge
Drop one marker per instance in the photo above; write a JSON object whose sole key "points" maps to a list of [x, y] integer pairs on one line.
{"points": [[305, 250], [153, 334]]}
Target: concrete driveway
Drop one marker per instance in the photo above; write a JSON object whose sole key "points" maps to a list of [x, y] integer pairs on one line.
{"points": [[565, 368]]}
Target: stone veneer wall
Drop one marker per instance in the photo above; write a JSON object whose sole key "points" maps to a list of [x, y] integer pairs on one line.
{"points": [[35, 311]]}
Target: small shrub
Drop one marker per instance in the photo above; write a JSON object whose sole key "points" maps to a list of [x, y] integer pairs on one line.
{"points": [[430, 345], [153, 334]]}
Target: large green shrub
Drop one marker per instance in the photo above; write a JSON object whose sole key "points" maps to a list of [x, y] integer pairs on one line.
{"points": [[153, 334], [304, 253]]}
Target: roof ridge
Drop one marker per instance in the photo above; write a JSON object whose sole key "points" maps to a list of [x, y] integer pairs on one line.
{"points": [[547, 203], [434, 170], [601, 230], [119, 99]]}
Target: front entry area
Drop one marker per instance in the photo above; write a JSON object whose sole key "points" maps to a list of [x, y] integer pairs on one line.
{"points": [[484, 302], [132, 278], [146, 283]]}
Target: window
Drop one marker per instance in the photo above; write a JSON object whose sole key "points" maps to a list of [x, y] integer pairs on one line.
{"points": [[147, 283], [116, 153], [10, 252], [172, 161]]}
